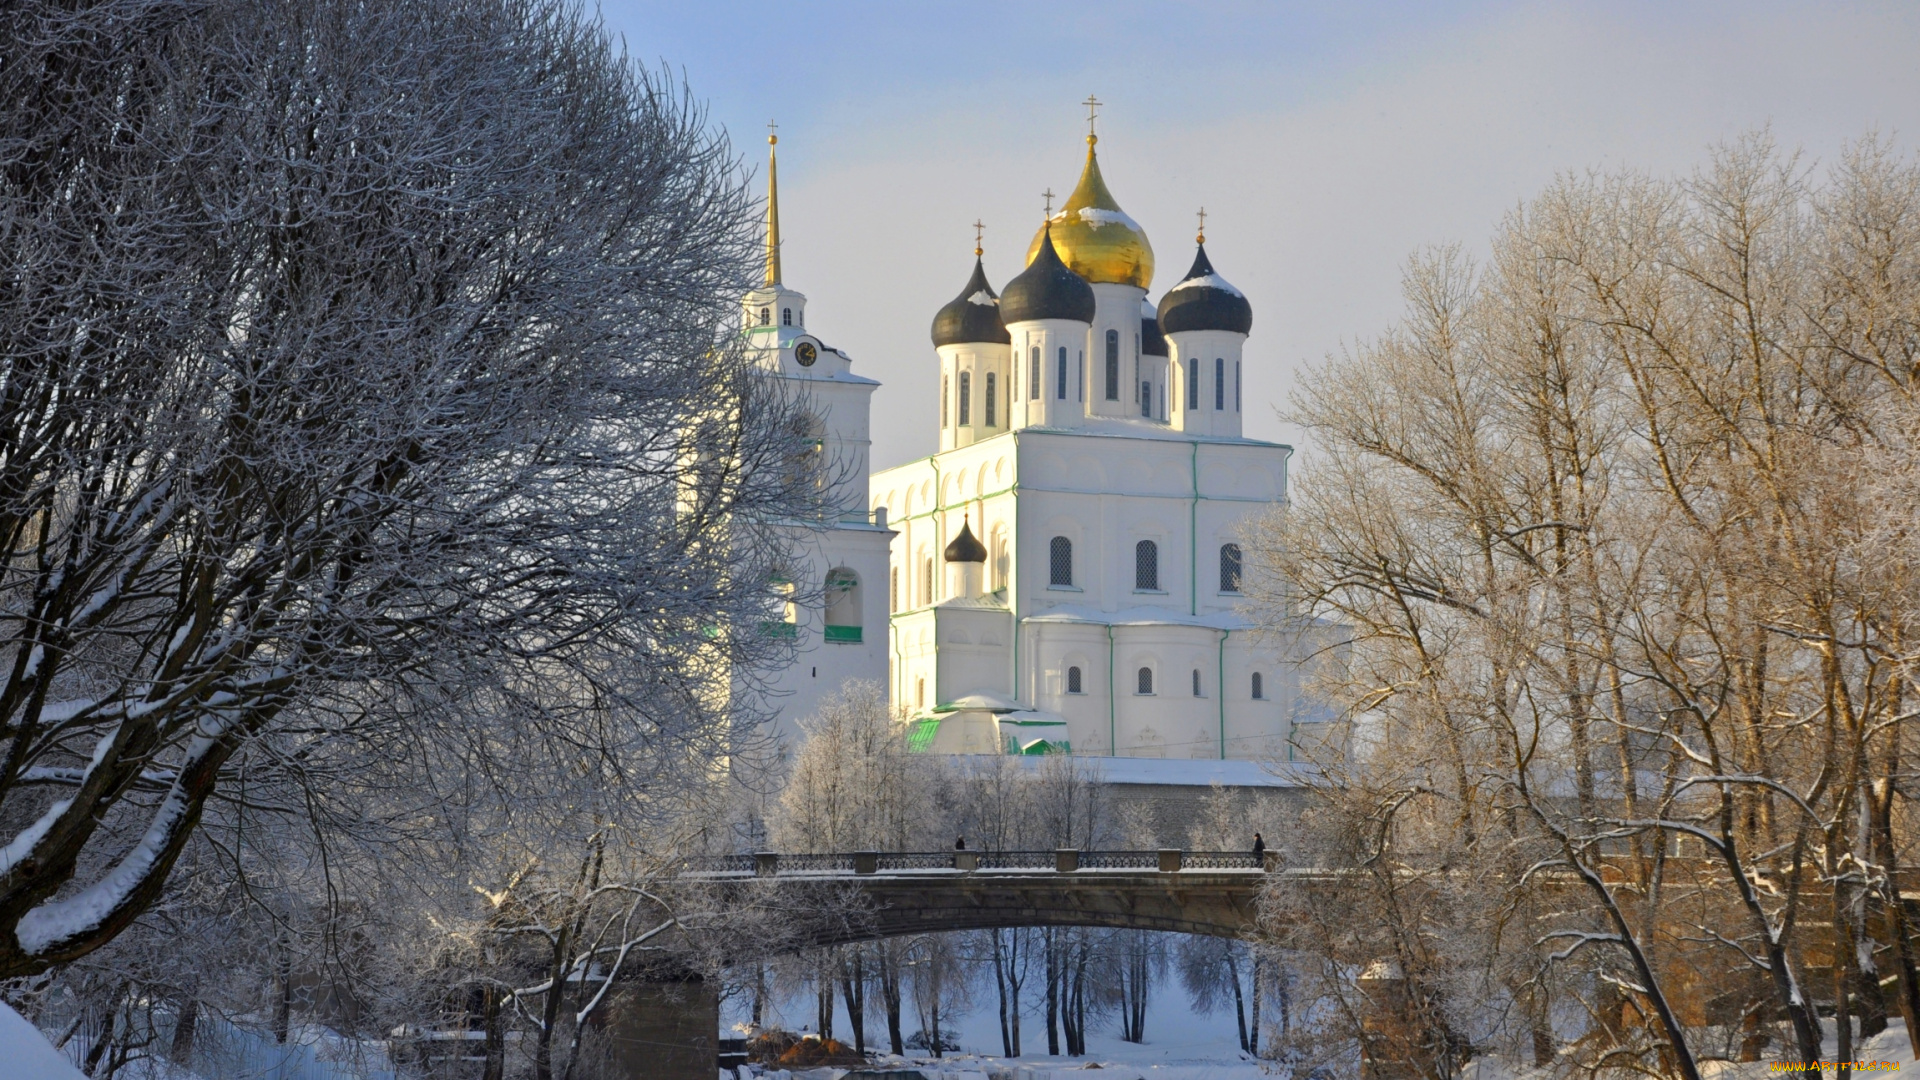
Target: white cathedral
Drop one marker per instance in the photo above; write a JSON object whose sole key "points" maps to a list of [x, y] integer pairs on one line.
{"points": [[1064, 574]]}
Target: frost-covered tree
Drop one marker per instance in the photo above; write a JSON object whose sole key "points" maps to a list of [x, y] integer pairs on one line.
{"points": [[371, 443]]}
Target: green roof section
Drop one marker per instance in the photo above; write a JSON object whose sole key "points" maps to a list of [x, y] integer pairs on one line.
{"points": [[920, 734]]}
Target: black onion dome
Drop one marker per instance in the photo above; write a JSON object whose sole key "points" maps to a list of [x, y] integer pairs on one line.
{"points": [[965, 548], [1152, 341], [1204, 301], [1047, 289], [973, 316]]}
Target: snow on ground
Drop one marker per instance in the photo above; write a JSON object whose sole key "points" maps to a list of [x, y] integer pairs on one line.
{"points": [[26, 1054], [1890, 1047], [1181, 1044]]}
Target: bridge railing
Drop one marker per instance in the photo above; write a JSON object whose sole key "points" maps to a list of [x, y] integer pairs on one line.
{"points": [[1062, 860]]}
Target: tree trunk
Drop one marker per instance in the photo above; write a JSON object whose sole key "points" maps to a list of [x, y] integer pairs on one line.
{"points": [[1239, 1000], [181, 1053], [890, 997], [853, 988], [1053, 993], [1000, 984], [496, 1038]]}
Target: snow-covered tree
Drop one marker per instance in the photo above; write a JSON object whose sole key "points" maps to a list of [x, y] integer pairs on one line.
{"points": [[371, 440]]}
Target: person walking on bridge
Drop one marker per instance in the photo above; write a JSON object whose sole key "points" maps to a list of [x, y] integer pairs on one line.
{"points": [[960, 843], [1259, 847]]}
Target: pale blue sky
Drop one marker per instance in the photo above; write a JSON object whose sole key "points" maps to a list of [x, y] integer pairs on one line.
{"points": [[1327, 141]]}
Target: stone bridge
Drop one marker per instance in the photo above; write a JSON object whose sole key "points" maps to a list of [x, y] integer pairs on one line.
{"points": [[1189, 892]]}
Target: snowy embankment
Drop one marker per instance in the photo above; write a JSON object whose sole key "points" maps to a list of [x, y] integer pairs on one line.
{"points": [[1889, 1048], [26, 1054]]}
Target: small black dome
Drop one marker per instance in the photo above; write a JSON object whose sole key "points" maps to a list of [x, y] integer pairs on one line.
{"points": [[965, 548], [973, 316], [1204, 301], [1046, 289], [1152, 341]]}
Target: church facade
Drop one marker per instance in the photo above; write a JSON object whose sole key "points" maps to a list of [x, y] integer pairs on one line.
{"points": [[1065, 572]]}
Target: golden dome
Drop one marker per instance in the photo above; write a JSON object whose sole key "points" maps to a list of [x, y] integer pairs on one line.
{"points": [[1095, 237]]}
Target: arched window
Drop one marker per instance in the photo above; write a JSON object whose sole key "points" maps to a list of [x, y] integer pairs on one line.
{"points": [[1033, 376], [1219, 383], [1146, 566], [966, 399], [1062, 373], [893, 589], [1196, 683], [946, 398], [1236, 386], [843, 605], [766, 316], [1113, 365], [1143, 681], [926, 580], [786, 316], [920, 693], [1230, 568], [1073, 681], [1193, 384], [1060, 561], [1080, 377], [1146, 399], [1259, 691], [989, 401]]}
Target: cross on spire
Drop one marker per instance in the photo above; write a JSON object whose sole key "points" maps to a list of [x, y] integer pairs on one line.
{"points": [[1093, 112], [772, 133], [1049, 194], [977, 227], [1202, 238]]}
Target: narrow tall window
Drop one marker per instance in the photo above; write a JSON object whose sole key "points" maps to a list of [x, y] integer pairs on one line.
{"points": [[1113, 365], [1146, 399], [1060, 561], [1193, 384], [1236, 386], [1259, 691], [786, 316], [919, 693], [1033, 376], [926, 580], [989, 400], [1073, 680], [1146, 566], [1143, 681], [766, 316], [1062, 388], [1196, 683], [1219, 384], [1230, 568], [893, 589], [946, 398], [966, 398], [1080, 377]]}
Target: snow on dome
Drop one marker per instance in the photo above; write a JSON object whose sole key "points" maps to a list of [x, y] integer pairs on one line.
{"points": [[1095, 216], [1209, 281], [984, 297]]}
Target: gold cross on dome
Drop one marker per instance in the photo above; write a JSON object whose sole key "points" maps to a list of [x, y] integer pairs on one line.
{"points": [[1049, 194], [977, 227], [1093, 111], [772, 136], [1202, 238]]}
